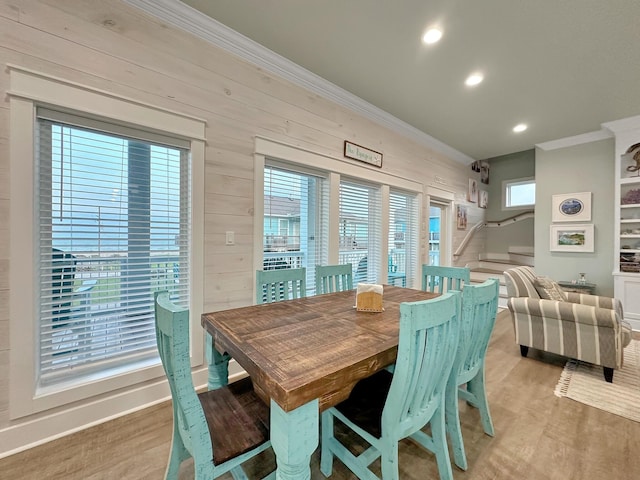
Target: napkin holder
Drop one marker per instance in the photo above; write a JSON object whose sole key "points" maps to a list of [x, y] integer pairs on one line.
{"points": [[369, 298]]}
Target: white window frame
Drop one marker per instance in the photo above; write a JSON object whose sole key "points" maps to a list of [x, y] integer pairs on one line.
{"points": [[507, 184], [334, 169], [28, 91]]}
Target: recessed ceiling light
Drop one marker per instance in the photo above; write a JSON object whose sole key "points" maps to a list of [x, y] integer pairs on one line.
{"points": [[432, 36], [474, 79], [521, 127]]}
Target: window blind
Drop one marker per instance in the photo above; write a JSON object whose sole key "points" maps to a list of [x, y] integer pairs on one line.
{"points": [[295, 221], [403, 237], [360, 229], [114, 226]]}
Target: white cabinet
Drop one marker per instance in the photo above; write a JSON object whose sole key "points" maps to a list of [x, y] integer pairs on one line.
{"points": [[626, 271]]}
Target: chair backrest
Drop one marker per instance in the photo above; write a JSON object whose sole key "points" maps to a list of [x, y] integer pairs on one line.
{"points": [[334, 278], [63, 272], [427, 348], [520, 282], [362, 270], [172, 336], [276, 285], [442, 279], [479, 310]]}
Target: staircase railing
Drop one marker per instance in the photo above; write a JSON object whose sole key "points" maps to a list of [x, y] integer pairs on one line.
{"points": [[490, 224]]}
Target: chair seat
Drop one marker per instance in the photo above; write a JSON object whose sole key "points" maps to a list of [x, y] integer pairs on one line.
{"points": [[238, 419], [366, 402]]}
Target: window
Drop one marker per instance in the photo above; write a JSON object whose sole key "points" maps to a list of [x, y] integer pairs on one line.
{"points": [[403, 236], [360, 230], [353, 215], [113, 228], [294, 230], [519, 193], [105, 207]]}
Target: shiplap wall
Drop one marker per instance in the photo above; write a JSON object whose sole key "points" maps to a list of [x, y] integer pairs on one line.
{"points": [[114, 48]]}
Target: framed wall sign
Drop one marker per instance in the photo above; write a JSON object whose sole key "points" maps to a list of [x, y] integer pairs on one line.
{"points": [[362, 154], [571, 238], [571, 207]]}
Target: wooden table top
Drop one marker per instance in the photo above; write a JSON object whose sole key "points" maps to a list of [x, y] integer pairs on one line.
{"points": [[313, 347]]}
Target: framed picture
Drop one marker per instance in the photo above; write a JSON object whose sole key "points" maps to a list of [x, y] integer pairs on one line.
{"points": [[484, 172], [483, 199], [472, 194], [461, 217], [571, 238], [571, 207]]}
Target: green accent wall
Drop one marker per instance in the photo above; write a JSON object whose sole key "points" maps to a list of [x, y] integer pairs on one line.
{"points": [[520, 234], [582, 168]]}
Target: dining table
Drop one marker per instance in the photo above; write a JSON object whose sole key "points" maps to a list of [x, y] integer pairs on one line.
{"points": [[304, 356]]}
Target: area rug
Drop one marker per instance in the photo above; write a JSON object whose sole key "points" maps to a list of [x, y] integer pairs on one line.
{"points": [[585, 383]]}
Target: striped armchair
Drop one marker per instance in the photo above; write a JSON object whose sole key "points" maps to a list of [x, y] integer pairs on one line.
{"points": [[585, 327]]}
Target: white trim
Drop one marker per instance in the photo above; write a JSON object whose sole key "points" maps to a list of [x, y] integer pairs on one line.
{"points": [[384, 233], [334, 212], [50, 90], [31, 433], [186, 18], [258, 216], [575, 140], [439, 193]]}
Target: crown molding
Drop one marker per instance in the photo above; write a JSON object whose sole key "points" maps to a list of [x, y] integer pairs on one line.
{"points": [[182, 16], [590, 137], [629, 123]]}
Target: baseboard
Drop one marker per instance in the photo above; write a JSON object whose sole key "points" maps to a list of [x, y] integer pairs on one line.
{"points": [[31, 433], [635, 324]]}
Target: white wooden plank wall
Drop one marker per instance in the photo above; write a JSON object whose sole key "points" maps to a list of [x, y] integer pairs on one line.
{"points": [[109, 46]]}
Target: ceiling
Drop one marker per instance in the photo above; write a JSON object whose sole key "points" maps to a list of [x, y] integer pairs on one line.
{"points": [[563, 67]]}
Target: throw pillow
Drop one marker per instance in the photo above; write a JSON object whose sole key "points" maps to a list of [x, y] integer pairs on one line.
{"points": [[549, 290]]}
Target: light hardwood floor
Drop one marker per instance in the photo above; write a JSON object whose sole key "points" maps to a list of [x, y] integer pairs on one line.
{"points": [[538, 436]]}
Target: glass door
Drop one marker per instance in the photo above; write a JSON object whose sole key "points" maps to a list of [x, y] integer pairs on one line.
{"points": [[435, 222]]}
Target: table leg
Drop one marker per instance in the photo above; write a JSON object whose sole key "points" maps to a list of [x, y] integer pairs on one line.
{"points": [[294, 437], [218, 366]]}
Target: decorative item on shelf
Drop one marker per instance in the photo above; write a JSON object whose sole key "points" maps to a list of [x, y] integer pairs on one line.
{"points": [[631, 267], [631, 197], [582, 280], [633, 155]]}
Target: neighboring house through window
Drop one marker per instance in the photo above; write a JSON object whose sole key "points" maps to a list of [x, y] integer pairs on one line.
{"points": [[335, 215]]}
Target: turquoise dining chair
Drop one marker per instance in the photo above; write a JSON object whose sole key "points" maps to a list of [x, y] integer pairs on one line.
{"points": [[284, 284], [334, 278], [479, 310], [387, 407], [439, 279], [220, 429]]}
